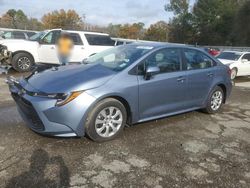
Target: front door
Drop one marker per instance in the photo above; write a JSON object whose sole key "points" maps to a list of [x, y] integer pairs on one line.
{"points": [[47, 51], [164, 92]]}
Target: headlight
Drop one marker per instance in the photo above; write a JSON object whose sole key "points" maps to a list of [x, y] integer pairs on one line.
{"points": [[67, 99]]}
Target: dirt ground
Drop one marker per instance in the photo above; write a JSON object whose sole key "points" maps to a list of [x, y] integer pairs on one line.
{"points": [[188, 150]]}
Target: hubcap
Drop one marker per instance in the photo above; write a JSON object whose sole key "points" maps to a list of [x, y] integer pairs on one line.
{"points": [[108, 122], [216, 100], [23, 63]]}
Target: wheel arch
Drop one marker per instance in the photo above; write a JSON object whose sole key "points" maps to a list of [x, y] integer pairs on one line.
{"points": [[23, 51], [223, 87], [120, 99]]}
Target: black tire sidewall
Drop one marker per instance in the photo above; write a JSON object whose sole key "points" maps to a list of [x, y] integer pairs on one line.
{"points": [[90, 122], [17, 56], [208, 107]]}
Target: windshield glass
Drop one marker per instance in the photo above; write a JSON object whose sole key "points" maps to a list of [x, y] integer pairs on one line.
{"points": [[234, 56], [118, 58], [37, 36]]}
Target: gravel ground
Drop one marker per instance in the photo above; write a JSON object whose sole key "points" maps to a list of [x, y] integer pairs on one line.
{"points": [[187, 150]]}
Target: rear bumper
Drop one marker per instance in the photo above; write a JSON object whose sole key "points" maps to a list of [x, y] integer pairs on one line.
{"points": [[42, 116]]}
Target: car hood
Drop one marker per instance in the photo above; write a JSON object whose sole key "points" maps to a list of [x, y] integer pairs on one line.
{"points": [[226, 62], [70, 78], [17, 41]]}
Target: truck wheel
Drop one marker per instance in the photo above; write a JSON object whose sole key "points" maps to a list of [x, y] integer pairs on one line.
{"points": [[22, 62]]}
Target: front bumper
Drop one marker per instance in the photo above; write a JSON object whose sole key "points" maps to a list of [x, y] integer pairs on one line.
{"points": [[42, 116]]}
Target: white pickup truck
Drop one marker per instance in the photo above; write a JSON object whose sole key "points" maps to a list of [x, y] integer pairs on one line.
{"points": [[41, 48]]}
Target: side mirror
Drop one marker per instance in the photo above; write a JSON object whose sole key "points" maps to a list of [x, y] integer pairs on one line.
{"points": [[244, 60], [151, 71]]}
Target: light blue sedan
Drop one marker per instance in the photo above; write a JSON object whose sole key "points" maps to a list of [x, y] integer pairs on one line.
{"points": [[123, 85]]}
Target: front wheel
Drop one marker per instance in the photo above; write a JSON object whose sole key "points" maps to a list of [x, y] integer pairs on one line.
{"points": [[22, 62], [106, 120], [215, 101]]}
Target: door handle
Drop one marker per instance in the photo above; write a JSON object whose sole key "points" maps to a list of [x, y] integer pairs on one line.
{"points": [[52, 48], [210, 74], [181, 79], [82, 48]]}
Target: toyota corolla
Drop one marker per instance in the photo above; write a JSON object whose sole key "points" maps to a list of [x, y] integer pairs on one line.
{"points": [[124, 85]]}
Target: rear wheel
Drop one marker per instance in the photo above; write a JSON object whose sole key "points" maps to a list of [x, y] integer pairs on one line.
{"points": [[106, 120], [233, 73], [215, 101], [22, 62]]}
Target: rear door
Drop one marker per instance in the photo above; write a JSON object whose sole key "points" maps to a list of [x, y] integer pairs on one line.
{"points": [[165, 92], [78, 52], [200, 76]]}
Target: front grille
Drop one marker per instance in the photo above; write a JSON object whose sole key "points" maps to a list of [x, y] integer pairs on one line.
{"points": [[29, 111]]}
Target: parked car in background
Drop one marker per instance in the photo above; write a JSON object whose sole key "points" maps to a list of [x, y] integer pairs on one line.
{"points": [[127, 84], [16, 34], [212, 51], [239, 62], [41, 47]]}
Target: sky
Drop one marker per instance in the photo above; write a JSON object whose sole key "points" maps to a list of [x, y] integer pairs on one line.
{"points": [[99, 12]]}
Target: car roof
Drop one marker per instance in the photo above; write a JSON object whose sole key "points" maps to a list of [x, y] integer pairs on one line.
{"points": [[158, 45], [235, 51]]}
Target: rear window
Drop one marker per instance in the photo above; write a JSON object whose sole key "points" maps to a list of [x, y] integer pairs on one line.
{"points": [[99, 40], [234, 56]]}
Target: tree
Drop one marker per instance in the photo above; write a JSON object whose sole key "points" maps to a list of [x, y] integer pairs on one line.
{"points": [[214, 21], [242, 28], [14, 19], [134, 31], [157, 32], [181, 28], [62, 19], [114, 30]]}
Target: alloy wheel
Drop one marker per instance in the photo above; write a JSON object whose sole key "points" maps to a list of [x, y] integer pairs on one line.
{"points": [[216, 100], [24, 63], [108, 122]]}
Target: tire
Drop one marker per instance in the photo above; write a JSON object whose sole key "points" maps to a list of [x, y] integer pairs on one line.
{"points": [[216, 97], [22, 62], [233, 73], [100, 126]]}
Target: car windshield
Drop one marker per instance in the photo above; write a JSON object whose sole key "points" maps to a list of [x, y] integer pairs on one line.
{"points": [[234, 56], [37, 36], [118, 58]]}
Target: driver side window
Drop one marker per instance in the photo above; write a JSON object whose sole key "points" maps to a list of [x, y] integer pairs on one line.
{"points": [[51, 37], [168, 60]]}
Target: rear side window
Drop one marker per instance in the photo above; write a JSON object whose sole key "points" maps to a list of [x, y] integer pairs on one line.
{"points": [[30, 34], [197, 60], [76, 38], [99, 40]]}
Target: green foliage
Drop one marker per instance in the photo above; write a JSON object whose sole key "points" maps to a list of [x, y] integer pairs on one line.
{"points": [[242, 26], [209, 22]]}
